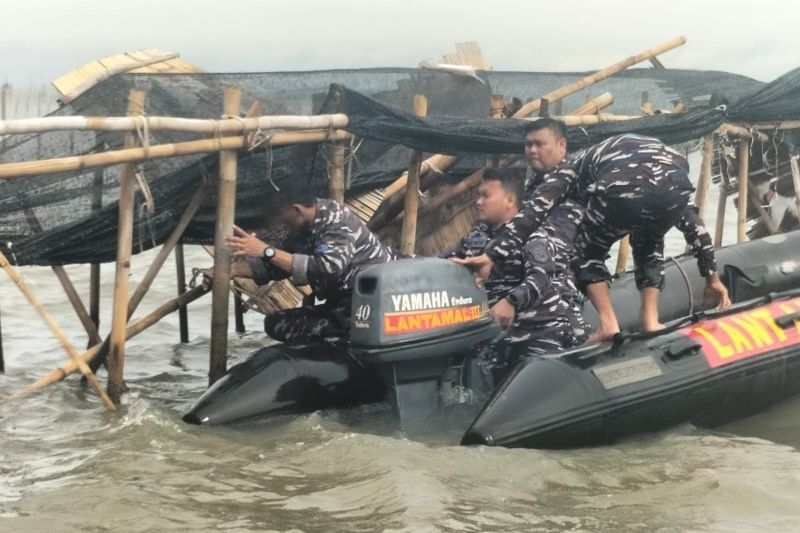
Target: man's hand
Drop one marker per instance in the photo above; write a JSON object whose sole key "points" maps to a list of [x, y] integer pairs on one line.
{"points": [[481, 265], [243, 243], [717, 291], [503, 313]]}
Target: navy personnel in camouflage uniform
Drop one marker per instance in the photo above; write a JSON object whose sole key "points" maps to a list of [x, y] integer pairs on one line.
{"points": [[325, 248], [499, 198], [546, 305], [630, 185]]}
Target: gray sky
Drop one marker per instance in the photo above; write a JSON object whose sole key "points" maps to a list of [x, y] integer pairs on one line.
{"points": [[42, 39]]}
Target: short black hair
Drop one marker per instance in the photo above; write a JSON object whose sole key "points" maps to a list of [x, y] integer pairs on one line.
{"points": [[512, 180], [556, 126]]}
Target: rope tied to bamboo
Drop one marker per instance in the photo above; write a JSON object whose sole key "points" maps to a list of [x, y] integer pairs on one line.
{"points": [[147, 209], [142, 124]]}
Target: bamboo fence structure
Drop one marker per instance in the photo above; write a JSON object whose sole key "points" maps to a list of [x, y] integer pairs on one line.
{"points": [[229, 136]]}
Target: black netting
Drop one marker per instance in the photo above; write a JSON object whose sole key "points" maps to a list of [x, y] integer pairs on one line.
{"points": [[78, 210]]}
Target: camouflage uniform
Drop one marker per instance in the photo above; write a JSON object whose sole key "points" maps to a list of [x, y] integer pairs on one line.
{"points": [[326, 256], [548, 307], [505, 276], [630, 184]]}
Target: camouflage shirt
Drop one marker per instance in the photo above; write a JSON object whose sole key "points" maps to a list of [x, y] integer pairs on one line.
{"points": [[327, 255], [505, 276], [548, 298], [621, 166]]}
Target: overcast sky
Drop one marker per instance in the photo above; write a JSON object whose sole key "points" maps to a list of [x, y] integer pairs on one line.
{"points": [[42, 39]]}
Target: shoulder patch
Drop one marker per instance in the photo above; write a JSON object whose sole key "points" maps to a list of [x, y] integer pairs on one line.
{"points": [[539, 251]]}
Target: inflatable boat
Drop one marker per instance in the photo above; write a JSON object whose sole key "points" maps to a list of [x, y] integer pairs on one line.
{"points": [[421, 328]]}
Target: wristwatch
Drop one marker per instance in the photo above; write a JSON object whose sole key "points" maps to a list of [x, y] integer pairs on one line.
{"points": [[269, 253]]}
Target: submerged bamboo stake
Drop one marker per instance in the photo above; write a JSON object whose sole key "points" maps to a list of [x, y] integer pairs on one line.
{"points": [[159, 151], [558, 94], [183, 315], [131, 331], [59, 334], [226, 126], [594, 105], [336, 172], [408, 237], [744, 177], [226, 209], [115, 362]]}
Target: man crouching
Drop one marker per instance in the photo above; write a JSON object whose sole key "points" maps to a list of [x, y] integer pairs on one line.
{"points": [[326, 246]]}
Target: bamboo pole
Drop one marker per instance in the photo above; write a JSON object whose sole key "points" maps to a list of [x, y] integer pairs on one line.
{"points": [[2, 357], [336, 172], [594, 105], [622, 255], [496, 106], [226, 210], [59, 334], [225, 126], [115, 362], [408, 237], [779, 125], [720, 223], [183, 315], [795, 181], [744, 178], [160, 151], [70, 367], [94, 269], [735, 130], [558, 94], [704, 181]]}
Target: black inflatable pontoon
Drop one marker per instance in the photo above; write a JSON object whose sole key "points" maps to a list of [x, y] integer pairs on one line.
{"points": [[415, 319]]}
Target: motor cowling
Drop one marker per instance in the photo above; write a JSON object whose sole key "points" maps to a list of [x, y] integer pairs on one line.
{"points": [[416, 303]]}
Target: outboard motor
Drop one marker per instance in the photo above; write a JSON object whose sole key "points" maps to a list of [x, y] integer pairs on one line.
{"points": [[411, 319]]}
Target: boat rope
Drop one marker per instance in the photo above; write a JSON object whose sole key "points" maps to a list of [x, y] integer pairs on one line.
{"points": [[688, 284]]}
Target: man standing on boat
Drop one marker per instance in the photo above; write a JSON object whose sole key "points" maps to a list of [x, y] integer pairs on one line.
{"points": [[630, 184], [325, 249]]}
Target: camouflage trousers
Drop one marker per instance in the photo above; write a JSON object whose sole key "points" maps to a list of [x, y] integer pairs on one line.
{"points": [[646, 215], [308, 323]]}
